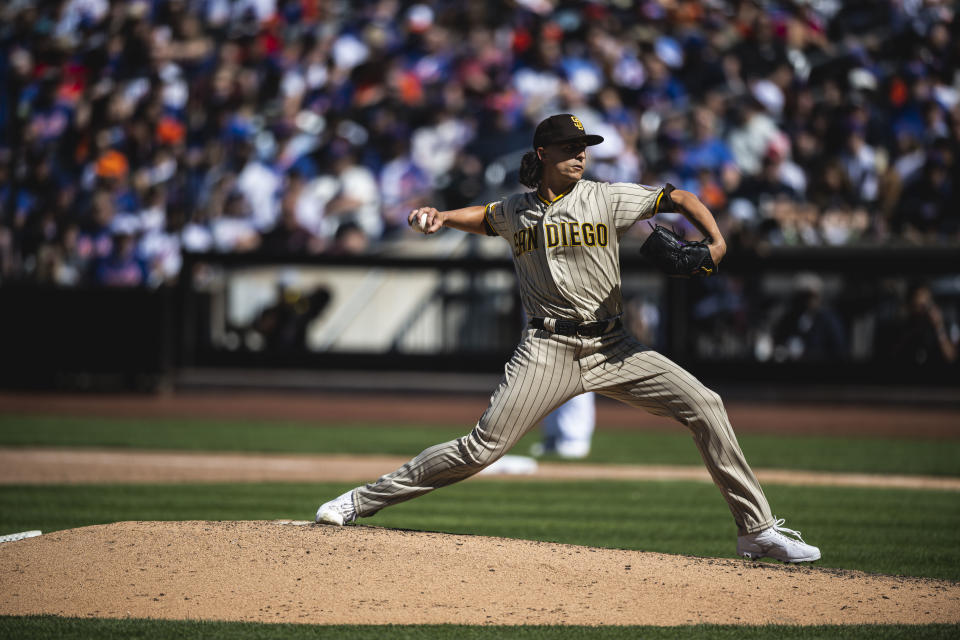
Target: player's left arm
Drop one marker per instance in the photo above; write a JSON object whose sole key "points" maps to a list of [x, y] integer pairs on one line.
{"points": [[690, 206]]}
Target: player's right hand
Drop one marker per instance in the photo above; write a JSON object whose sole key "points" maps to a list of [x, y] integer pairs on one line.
{"points": [[425, 220]]}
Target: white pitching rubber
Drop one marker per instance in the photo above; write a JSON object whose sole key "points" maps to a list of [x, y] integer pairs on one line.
{"points": [[13, 537]]}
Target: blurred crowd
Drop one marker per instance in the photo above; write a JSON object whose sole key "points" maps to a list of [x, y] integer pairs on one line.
{"points": [[133, 131]]}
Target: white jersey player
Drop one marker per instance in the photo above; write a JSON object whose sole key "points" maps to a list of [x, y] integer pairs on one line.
{"points": [[568, 429]]}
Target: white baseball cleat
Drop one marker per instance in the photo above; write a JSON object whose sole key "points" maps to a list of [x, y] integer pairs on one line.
{"points": [[773, 543], [339, 511]]}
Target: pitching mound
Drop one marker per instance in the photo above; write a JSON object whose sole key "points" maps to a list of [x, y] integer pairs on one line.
{"points": [[291, 572]]}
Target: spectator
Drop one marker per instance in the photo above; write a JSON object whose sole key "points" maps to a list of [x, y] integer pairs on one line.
{"points": [[259, 185], [926, 206], [349, 193], [234, 229], [921, 335], [751, 136], [95, 241], [288, 237], [861, 165], [403, 184], [349, 240], [706, 150], [189, 103], [122, 267], [160, 248], [808, 330], [283, 325], [435, 147], [70, 267]]}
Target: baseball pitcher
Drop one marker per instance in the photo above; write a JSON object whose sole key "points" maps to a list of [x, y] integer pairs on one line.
{"points": [[565, 239]]}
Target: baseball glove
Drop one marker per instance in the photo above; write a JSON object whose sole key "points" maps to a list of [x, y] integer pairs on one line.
{"points": [[675, 256]]}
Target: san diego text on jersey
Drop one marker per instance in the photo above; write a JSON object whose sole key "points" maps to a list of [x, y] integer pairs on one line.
{"points": [[564, 234]]}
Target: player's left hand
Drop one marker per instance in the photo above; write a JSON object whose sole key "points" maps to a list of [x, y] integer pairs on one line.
{"points": [[677, 257]]}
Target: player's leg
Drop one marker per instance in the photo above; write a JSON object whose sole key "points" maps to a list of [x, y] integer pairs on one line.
{"points": [[643, 378], [541, 375], [640, 377]]}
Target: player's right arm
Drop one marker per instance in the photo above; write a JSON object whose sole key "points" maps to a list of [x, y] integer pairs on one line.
{"points": [[470, 219]]}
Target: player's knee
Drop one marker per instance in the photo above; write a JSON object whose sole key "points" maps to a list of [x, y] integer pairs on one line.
{"points": [[479, 449], [714, 399], [710, 404], [703, 404]]}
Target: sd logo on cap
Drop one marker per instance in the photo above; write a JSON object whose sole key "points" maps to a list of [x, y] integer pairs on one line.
{"points": [[560, 128]]}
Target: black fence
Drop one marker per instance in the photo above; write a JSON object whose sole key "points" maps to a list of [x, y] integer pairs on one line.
{"points": [[790, 317], [62, 338]]}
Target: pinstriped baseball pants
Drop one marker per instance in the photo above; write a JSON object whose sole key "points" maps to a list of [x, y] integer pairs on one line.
{"points": [[548, 369]]}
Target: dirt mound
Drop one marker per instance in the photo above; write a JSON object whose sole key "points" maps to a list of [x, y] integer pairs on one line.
{"points": [[295, 572]]}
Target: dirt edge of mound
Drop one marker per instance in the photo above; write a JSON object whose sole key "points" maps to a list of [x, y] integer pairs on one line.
{"points": [[299, 572]]}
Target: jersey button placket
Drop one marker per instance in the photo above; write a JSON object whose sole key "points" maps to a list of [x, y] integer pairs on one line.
{"points": [[557, 275], [557, 280]]}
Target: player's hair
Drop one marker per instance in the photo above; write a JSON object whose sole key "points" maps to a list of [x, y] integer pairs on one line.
{"points": [[531, 170]]}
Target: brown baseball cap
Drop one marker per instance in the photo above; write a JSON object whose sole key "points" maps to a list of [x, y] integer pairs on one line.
{"points": [[560, 128]]}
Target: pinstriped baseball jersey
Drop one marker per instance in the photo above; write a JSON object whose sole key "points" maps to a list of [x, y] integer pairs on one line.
{"points": [[566, 252]]}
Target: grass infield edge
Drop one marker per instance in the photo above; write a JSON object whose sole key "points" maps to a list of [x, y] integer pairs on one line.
{"points": [[49, 626]]}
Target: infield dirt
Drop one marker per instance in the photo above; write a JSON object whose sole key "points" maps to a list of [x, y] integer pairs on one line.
{"points": [[296, 572], [801, 418]]}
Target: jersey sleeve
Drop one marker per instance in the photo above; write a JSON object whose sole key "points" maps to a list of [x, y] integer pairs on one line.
{"points": [[500, 217], [632, 202], [494, 218]]}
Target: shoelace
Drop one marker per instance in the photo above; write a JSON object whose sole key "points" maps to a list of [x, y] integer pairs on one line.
{"points": [[779, 528], [346, 509]]}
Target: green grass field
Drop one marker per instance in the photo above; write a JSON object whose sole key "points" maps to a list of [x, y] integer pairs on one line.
{"points": [[817, 453], [915, 533], [76, 629]]}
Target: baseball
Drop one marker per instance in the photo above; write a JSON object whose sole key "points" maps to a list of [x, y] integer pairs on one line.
{"points": [[420, 223]]}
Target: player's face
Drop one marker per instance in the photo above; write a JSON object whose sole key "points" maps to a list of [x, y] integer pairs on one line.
{"points": [[568, 160]]}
